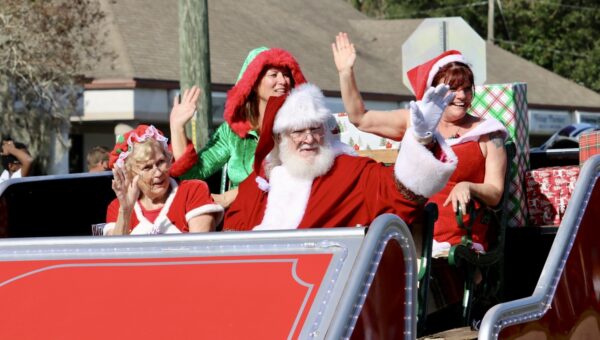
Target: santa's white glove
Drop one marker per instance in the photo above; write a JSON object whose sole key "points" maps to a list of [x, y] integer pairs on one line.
{"points": [[425, 114]]}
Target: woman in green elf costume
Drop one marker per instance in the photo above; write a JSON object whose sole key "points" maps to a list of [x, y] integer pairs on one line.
{"points": [[265, 73]]}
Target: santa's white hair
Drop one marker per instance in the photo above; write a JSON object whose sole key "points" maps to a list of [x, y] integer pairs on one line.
{"points": [[303, 108]]}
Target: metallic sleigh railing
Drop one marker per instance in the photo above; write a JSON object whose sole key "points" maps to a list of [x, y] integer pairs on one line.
{"points": [[307, 284], [562, 297]]}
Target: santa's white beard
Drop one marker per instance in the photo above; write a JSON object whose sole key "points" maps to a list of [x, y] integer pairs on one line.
{"points": [[308, 168]]}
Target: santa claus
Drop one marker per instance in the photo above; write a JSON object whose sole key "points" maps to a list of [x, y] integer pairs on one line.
{"points": [[305, 178]]}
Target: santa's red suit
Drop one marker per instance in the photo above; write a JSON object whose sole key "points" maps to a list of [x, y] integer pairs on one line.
{"points": [[186, 200], [353, 192]]}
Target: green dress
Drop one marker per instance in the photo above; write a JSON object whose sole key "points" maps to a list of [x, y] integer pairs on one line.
{"points": [[225, 147]]}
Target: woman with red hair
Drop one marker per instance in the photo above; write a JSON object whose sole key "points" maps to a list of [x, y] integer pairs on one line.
{"points": [[478, 143]]}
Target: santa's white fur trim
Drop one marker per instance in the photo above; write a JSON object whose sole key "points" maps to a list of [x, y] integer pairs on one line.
{"points": [[303, 108], [418, 169], [262, 184], [287, 200], [206, 209]]}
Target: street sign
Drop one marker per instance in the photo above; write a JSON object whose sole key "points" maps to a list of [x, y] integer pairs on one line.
{"points": [[436, 35]]}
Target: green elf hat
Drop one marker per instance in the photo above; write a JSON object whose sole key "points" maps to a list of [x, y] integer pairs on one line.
{"points": [[249, 59]]}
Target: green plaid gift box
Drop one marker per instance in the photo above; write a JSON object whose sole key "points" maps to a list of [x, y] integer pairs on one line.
{"points": [[508, 104]]}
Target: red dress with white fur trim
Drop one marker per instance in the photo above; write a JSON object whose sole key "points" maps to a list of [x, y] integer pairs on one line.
{"points": [[186, 200], [470, 168]]}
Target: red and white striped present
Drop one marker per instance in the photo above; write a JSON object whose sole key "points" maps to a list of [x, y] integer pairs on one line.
{"points": [[589, 145], [548, 193]]}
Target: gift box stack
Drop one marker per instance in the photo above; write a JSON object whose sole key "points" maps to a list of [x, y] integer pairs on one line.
{"points": [[548, 193], [508, 104], [589, 145]]}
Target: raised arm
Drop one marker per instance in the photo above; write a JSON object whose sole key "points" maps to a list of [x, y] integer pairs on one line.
{"points": [[390, 124], [182, 112], [8, 148]]}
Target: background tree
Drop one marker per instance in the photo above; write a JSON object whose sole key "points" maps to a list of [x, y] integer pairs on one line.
{"points": [[558, 35], [45, 47]]}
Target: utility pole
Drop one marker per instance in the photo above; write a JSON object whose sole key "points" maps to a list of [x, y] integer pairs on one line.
{"points": [[490, 22], [194, 65]]}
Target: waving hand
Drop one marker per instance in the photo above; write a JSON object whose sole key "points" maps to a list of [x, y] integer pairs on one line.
{"points": [[425, 114]]}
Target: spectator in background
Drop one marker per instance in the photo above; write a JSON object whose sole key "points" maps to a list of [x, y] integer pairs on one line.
{"points": [[97, 159], [15, 160]]}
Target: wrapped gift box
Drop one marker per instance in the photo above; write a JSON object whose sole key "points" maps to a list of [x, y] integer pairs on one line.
{"points": [[589, 145], [548, 193], [362, 141], [508, 104]]}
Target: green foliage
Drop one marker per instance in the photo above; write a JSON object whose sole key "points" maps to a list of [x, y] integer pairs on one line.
{"points": [[557, 36], [561, 36], [45, 46]]}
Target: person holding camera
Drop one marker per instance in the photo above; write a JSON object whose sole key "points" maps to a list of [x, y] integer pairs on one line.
{"points": [[15, 160]]}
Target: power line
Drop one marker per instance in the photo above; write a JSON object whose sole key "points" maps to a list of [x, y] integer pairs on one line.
{"points": [[474, 4], [535, 46], [506, 27]]}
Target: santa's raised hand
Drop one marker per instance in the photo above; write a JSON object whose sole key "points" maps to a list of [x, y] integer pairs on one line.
{"points": [[425, 114]]}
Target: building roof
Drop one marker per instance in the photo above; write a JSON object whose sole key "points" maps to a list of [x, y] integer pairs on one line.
{"points": [[144, 35]]}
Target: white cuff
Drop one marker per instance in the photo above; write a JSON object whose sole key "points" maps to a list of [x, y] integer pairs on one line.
{"points": [[107, 228], [419, 170], [206, 209]]}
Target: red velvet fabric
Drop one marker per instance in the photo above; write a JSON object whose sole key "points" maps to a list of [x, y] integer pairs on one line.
{"points": [[470, 167], [266, 141], [184, 163], [419, 74]]}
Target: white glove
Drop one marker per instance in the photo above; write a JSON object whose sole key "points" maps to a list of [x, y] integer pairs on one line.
{"points": [[425, 114]]}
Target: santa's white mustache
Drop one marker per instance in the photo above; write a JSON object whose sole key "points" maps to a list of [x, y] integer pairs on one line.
{"points": [[307, 147]]}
